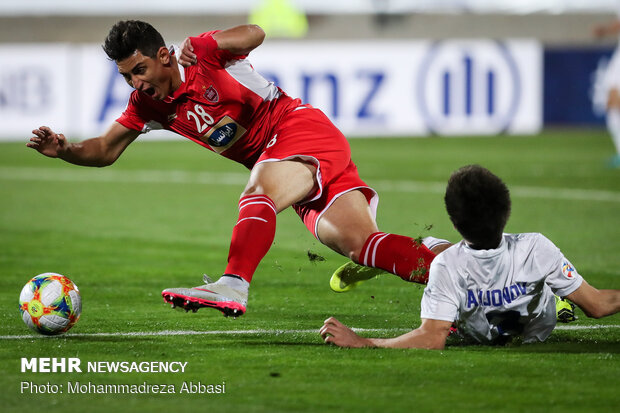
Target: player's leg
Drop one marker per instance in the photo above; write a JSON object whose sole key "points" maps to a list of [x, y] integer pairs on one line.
{"points": [[613, 123], [348, 227], [273, 187], [346, 231], [347, 224], [350, 275]]}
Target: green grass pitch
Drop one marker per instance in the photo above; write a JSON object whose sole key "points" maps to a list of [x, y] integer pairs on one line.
{"points": [[162, 216]]}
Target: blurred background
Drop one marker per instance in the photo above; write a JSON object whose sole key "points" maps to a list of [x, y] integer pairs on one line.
{"points": [[376, 67]]}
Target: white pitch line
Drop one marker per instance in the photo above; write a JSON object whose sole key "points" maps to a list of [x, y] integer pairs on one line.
{"points": [[249, 332], [188, 333], [75, 174], [516, 191], [591, 327]]}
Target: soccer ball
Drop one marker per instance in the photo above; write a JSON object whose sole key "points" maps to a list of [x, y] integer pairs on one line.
{"points": [[50, 303]]}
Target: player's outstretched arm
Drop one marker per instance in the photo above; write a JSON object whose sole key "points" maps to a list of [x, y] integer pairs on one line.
{"points": [[99, 151], [240, 40], [594, 302], [606, 29], [431, 334]]}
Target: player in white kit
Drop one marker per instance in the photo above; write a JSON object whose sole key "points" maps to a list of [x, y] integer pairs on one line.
{"points": [[606, 96], [493, 286]]}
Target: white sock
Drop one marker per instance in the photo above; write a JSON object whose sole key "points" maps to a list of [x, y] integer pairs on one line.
{"points": [[234, 282], [613, 126], [430, 242]]}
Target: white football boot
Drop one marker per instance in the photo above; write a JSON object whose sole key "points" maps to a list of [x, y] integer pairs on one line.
{"points": [[230, 301]]}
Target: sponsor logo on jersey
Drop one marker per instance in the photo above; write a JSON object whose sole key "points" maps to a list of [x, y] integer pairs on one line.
{"points": [[211, 95], [568, 270], [497, 297], [223, 134]]}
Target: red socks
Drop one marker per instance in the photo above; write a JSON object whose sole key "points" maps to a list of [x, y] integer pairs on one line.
{"points": [[252, 235], [400, 255], [256, 228]]}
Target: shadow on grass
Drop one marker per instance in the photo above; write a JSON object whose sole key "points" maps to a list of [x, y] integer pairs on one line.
{"points": [[210, 339], [603, 341], [558, 343], [570, 348]]}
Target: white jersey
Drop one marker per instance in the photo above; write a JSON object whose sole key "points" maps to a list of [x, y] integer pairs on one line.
{"points": [[494, 294], [606, 77]]}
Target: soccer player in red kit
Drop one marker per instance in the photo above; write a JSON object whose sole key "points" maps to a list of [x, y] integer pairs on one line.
{"points": [[209, 92]]}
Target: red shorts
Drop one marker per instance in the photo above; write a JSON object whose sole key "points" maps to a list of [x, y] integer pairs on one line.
{"points": [[307, 134]]}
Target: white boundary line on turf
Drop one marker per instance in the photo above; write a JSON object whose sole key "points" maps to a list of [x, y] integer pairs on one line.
{"points": [[74, 174], [250, 332], [592, 327]]}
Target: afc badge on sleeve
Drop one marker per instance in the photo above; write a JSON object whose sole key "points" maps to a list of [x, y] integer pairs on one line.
{"points": [[568, 270]]}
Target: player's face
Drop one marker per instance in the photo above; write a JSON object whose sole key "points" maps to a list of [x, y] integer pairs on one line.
{"points": [[148, 75]]}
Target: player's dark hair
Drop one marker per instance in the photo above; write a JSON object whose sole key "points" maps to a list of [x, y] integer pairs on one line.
{"points": [[478, 204], [127, 36]]}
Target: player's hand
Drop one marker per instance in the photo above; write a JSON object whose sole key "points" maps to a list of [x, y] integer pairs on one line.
{"points": [[47, 142], [187, 57], [334, 332], [599, 31]]}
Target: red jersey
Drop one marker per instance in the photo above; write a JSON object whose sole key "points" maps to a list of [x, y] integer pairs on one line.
{"points": [[223, 104]]}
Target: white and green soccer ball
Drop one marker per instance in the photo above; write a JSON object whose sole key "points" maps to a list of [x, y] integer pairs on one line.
{"points": [[50, 303]]}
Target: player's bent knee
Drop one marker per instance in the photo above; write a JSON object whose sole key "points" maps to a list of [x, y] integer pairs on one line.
{"points": [[354, 251], [258, 188], [253, 190], [344, 246]]}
